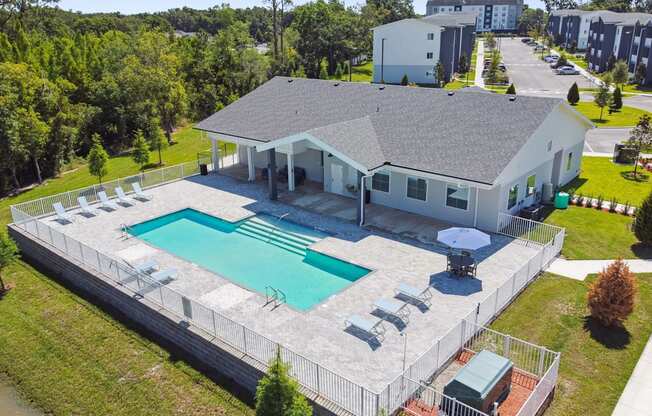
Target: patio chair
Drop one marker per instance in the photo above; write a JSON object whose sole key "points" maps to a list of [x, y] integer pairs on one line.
{"points": [[416, 294], [374, 328], [85, 206], [394, 308], [138, 191], [164, 275], [122, 197], [62, 215], [106, 203], [148, 266]]}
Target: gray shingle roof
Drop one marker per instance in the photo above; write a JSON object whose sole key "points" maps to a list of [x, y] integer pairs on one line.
{"points": [[569, 12], [471, 2], [469, 135], [627, 19], [451, 19]]}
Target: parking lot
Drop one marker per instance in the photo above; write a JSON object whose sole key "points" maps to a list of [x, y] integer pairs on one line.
{"points": [[531, 75]]}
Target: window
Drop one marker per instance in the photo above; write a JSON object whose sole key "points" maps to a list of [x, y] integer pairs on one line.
{"points": [[531, 185], [569, 161], [380, 182], [457, 196], [431, 36], [429, 55], [513, 196], [550, 145], [417, 188]]}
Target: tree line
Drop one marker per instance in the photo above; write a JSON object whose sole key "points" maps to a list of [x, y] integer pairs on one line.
{"points": [[69, 80]]}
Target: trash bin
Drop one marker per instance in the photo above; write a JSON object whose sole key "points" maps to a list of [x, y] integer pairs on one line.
{"points": [[203, 169], [561, 200]]}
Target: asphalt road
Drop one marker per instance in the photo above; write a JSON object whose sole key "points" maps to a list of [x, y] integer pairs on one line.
{"points": [[532, 76], [602, 140]]}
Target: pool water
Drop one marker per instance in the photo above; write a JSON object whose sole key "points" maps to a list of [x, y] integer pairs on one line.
{"points": [[255, 253]]}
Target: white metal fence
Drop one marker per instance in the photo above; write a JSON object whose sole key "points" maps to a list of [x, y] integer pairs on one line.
{"points": [[314, 377]]}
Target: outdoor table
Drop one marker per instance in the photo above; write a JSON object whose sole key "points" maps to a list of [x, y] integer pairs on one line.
{"points": [[461, 263]]}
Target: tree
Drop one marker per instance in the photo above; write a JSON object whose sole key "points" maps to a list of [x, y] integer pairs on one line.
{"points": [[440, 74], [640, 74], [391, 10], [490, 39], [156, 142], [602, 96], [611, 297], [323, 72], [616, 100], [463, 66], [559, 5], [493, 72], [620, 73], [611, 62], [640, 137], [338, 72], [573, 95], [98, 159], [278, 395], [511, 90], [8, 254], [529, 20], [643, 221], [405, 81], [140, 154]]}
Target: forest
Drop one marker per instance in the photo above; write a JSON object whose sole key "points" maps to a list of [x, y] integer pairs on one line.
{"points": [[67, 79]]}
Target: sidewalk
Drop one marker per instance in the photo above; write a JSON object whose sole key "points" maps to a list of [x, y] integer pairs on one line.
{"points": [[578, 269], [479, 65], [636, 399]]}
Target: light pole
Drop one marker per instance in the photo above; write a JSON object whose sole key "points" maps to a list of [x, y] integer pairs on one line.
{"points": [[382, 61], [404, 335]]}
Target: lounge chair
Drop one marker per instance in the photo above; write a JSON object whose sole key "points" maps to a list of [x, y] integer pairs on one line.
{"points": [[374, 328], [148, 266], [394, 308], [62, 215], [106, 203], [122, 197], [418, 295], [163, 275], [138, 191], [85, 206]]}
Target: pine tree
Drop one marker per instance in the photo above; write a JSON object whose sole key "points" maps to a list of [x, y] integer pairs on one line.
{"points": [[602, 96], [611, 297], [643, 222], [620, 73], [157, 142], [98, 158], [439, 71], [140, 154], [278, 395], [511, 90], [573, 95], [8, 253], [405, 80], [616, 100]]}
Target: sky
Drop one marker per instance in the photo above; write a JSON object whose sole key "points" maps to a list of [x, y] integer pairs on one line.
{"points": [[137, 6]]}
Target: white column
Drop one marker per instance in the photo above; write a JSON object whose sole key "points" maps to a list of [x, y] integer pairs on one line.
{"points": [[215, 154], [290, 172], [475, 211], [250, 163]]}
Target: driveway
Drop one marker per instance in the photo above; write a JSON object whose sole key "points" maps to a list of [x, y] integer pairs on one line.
{"points": [[602, 140], [531, 75]]}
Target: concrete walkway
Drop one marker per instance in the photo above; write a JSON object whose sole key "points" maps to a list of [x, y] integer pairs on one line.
{"points": [[578, 269], [479, 65], [636, 399]]}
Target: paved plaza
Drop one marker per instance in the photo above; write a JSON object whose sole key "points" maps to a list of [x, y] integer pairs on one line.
{"points": [[318, 333]]}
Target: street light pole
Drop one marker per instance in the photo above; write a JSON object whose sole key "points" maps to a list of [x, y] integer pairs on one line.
{"points": [[382, 61], [404, 335]]}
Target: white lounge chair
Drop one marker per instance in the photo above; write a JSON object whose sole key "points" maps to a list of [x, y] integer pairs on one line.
{"points": [[395, 308], [62, 215], [122, 197], [85, 206], [138, 191], [418, 295], [374, 328], [163, 275], [106, 203], [148, 266]]}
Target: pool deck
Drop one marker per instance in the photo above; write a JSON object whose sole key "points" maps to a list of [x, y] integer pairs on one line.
{"points": [[318, 333]]}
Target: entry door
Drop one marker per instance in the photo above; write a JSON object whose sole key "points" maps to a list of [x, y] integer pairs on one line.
{"points": [[337, 179], [556, 168]]}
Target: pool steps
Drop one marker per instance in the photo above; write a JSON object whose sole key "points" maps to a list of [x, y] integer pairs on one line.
{"points": [[261, 230]]}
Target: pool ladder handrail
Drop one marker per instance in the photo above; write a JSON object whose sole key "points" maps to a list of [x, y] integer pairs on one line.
{"points": [[275, 226], [125, 231], [277, 296]]}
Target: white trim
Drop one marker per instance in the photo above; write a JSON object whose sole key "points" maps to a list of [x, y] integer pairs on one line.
{"points": [[508, 192], [468, 200], [389, 182], [475, 211], [434, 176], [527, 186], [232, 139], [407, 179]]}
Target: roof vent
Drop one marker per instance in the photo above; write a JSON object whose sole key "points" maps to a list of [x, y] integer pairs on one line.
{"points": [[378, 109], [512, 98], [290, 80], [451, 93]]}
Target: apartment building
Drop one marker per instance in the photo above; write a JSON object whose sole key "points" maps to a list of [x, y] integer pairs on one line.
{"points": [[493, 15], [571, 27]]}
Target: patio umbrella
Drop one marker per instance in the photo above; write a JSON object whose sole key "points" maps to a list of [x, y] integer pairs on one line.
{"points": [[463, 238]]}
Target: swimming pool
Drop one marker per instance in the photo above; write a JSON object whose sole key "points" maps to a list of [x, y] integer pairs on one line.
{"points": [[255, 253]]}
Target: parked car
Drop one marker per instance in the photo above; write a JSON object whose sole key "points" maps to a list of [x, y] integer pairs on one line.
{"points": [[526, 40], [551, 58], [567, 70], [539, 48], [559, 64]]}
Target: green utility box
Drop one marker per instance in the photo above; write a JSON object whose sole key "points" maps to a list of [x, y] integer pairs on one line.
{"points": [[561, 200]]}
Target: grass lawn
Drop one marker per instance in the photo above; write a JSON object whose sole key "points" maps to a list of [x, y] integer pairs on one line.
{"points": [[69, 357], [593, 234], [600, 176], [634, 88], [595, 363], [360, 73], [627, 116]]}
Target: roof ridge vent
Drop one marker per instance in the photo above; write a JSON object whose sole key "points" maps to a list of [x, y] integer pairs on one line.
{"points": [[451, 93], [512, 98], [290, 80]]}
